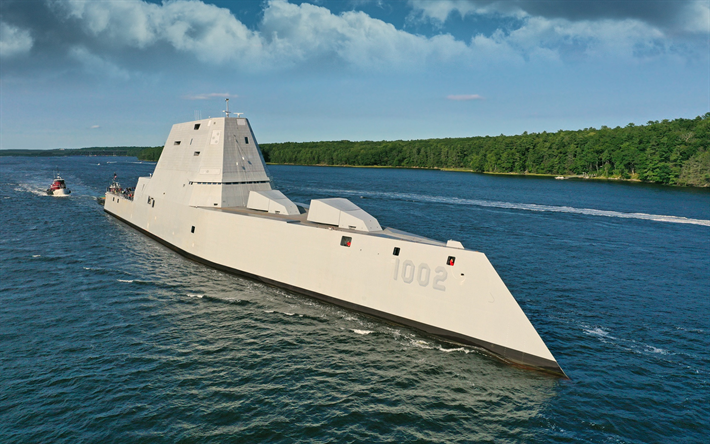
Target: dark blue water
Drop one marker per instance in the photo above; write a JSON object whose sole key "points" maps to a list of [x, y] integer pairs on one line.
{"points": [[107, 336]]}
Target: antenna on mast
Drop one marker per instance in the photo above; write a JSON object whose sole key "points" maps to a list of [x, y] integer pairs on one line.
{"points": [[227, 110]]}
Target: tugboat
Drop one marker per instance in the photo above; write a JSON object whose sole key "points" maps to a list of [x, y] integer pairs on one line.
{"points": [[58, 187]]}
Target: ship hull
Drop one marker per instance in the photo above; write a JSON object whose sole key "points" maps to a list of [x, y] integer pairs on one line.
{"points": [[59, 192], [210, 199], [466, 303]]}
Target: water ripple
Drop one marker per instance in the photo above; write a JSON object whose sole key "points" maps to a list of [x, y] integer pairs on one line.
{"points": [[512, 205], [108, 336]]}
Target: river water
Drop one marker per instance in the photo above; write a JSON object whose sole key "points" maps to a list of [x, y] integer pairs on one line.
{"points": [[107, 336]]}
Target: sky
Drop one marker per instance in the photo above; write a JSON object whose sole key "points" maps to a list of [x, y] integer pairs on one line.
{"points": [[80, 73]]}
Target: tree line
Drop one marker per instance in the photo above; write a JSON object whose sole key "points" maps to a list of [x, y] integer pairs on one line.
{"points": [[672, 152], [151, 154], [133, 151]]}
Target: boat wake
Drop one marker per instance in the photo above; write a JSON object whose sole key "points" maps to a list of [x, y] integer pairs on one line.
{"points": [[420, 343], [599, 332], [32, 188], [626, 344], [520, 206]]}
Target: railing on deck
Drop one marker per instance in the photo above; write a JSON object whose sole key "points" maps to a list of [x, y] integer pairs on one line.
{"points": [[125, 193]]}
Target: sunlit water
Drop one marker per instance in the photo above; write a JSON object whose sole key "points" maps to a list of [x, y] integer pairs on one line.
{"points": [[107, 336]]}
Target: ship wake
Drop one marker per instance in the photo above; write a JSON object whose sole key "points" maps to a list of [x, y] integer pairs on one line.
{"points": [[520, 206]]}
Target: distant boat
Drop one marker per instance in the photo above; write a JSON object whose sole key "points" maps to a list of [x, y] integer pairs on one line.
{"points": [[58, 187], [560, 178]]}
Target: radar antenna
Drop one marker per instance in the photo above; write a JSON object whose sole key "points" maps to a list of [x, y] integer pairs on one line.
{"points": [[226, 112]]}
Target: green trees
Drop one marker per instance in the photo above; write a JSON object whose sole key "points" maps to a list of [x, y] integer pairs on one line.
{"points": [[670, 152], [63, 152], [696, 171], [151, 154]]}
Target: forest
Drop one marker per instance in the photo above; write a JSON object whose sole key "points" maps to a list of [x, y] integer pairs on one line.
{"points": [[674, 152], [92, 151]]}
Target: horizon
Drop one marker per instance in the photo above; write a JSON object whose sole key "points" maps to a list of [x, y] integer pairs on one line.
{"points": [[366, 140]]}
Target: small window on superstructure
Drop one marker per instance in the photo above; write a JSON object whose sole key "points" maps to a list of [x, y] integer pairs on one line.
{"points": [[197, 153], [246, 140], [177, 142], [197, 126]]}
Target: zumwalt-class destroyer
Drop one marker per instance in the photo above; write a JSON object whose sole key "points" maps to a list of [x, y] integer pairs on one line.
{"points": [[210, 199]]}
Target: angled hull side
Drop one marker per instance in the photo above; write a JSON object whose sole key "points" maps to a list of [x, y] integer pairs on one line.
{"points": [[466, 303], [197, 203]]}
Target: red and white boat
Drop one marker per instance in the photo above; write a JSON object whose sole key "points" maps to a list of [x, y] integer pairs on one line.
{"points": [[58, 187]]}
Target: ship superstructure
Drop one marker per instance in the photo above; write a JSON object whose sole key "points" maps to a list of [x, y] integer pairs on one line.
{"points": [[211, 200]]}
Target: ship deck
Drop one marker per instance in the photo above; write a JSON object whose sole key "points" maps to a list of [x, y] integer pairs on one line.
{"points": [[302, 219]]}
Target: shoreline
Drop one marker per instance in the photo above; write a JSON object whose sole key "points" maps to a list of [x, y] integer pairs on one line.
{"points": [[464, 170], [455, 170]]}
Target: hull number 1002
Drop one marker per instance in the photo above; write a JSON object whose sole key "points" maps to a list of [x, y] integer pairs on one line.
{"points": [[422, 274]]}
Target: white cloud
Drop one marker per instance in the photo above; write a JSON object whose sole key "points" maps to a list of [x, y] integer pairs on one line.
{"points": [[97, 65], [14, 41], [126, 22], [94, 127], [672, 15], [308, 32], [464, 97], [210, 33], [209, 96], [288, 35], [553, 40], [558, 30], [696, 17], [291, 35], [440, 10]]}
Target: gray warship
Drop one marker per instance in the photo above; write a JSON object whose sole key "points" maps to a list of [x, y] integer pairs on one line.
{"points": [[211, 200]]}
